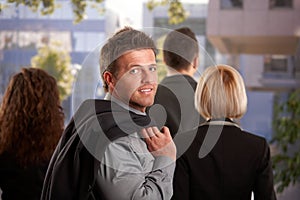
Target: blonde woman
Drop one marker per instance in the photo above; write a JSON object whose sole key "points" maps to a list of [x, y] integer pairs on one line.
{"points": [[224, 161]]}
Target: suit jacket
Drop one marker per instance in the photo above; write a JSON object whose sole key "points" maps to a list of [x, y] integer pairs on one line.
{"points": [[176, 95], [74, 165], [17, 182], [223, 162]]}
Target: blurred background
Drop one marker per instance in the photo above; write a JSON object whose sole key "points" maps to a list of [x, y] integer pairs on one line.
{"points": [[260, 38]]}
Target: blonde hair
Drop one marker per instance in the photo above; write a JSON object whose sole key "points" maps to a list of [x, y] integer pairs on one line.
{"points": [[221, 93]]}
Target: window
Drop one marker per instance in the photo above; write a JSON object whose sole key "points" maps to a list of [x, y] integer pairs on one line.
{"points": [[275, 63], [198, 24], [87, 41], [281, 4], [9, 12], [31, 40], [297, 66], [231, 4], [278, 66]]}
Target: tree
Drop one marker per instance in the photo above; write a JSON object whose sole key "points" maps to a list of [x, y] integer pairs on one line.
{"points": [[57, 62], [286, 163], [47, 7], [176, 12]]}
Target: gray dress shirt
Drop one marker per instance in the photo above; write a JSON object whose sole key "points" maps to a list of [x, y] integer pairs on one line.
{"points": [[129, 171]]}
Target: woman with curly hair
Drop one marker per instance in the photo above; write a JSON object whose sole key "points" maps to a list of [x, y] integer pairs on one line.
{"points": [[31, 123]]}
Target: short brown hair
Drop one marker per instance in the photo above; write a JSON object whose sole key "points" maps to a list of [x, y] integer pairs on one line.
{"points": [[124, 40], [221, 93], [180, 48]]}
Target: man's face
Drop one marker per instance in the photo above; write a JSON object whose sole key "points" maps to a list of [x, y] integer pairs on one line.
{"points": [[136, 81]]}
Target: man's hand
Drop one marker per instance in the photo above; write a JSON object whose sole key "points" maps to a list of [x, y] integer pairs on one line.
{"points": [[159, 143]]}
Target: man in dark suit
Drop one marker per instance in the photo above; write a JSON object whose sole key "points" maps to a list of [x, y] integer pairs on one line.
{"points": [[175, 92]]}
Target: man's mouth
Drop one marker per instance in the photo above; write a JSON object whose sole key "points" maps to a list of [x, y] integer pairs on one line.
{"points": [[146, 90]]}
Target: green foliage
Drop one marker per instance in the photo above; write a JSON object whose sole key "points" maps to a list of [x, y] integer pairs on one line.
{"points": [[286, 163], [79, 7], [2, 7], [176, 12], [47, 7], [151, 4], [161, 67], [57, 62]]}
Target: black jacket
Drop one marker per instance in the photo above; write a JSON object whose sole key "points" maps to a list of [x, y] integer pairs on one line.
{"points": [[72, 170], [238, 163], [17, 182], [176, 95]]}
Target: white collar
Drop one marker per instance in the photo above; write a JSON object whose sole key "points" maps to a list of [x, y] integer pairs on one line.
{"points": [[220, 122], [109, 97]]}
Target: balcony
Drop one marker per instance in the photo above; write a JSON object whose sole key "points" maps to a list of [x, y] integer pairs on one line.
{"points": [[254, 27]]}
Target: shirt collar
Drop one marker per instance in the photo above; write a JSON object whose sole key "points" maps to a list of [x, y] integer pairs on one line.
{"points": [[109, 97]]}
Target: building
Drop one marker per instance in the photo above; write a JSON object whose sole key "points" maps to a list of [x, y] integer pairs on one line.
{"points": [[23, 31], [260, 38], [254, 27], [197, 14]]}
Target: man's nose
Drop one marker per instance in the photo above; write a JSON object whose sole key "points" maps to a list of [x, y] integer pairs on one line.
{"points": [[149, 76]]}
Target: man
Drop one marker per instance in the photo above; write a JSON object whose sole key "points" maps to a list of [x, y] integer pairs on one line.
{"points": [[175, 93], [127, 166]]}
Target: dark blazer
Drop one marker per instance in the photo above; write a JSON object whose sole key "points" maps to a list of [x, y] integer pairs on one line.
{"points": [[233, 163], [73, 169], [176, 95], [17, 182]]}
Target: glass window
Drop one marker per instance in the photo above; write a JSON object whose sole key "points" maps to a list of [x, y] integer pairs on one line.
{"points": [[25, 12], [63, 10], [87, 41], [9, 12], [279, 66], [32, 40], [8, 39], [281, 3], [95, 11], [297, 64], [276, 63], [197, 25], [229, 4]]}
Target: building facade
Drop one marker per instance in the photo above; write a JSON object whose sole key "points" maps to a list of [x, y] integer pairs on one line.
{"points": [[261, 38], [22, 32], [197, 15], [258, 37]]}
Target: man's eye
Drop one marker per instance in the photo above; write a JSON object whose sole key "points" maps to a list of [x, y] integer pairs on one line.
{"points": [[134, 71], [152, 69]]}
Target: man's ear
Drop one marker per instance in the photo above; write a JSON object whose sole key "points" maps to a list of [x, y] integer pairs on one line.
{"points": [[196, 62], [108, 78]]}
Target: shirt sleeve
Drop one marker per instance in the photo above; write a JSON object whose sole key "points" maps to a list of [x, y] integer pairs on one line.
{"points": [[127, 172], [264, 188]]}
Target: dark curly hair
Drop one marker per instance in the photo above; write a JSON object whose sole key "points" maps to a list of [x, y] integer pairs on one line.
{"points": [[31, 117]]}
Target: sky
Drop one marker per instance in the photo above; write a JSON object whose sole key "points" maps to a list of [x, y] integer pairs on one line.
{"points": [[132, 9]]}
